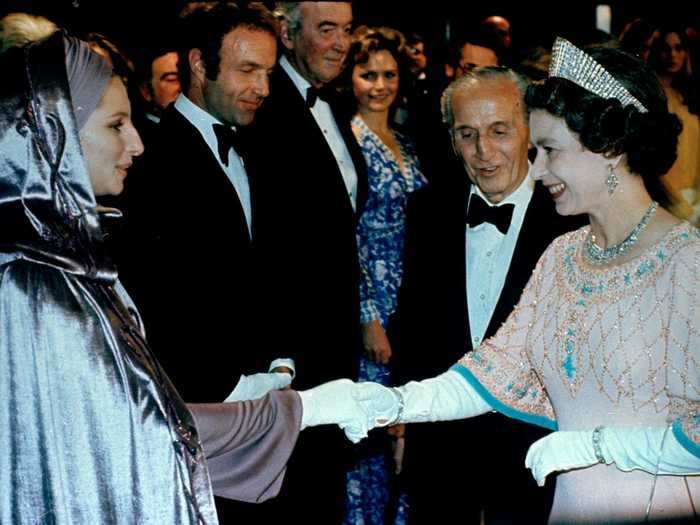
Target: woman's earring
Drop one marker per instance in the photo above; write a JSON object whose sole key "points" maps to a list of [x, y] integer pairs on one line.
{"points": [[612, 181]]}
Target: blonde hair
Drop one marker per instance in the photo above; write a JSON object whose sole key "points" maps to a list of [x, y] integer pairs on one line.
{"points": [[19, 29]]}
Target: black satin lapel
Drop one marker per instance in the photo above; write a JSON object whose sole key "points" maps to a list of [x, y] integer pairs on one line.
{"points": [[305, 124], [293, 102], [209, 172], [460, 250], [528, 250], [343, 118]]}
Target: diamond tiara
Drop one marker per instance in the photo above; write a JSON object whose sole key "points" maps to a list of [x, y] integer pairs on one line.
{"points": [[573, 64]]}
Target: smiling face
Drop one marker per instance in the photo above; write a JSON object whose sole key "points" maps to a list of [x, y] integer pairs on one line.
{"points": [[376, 83], [574, 175], [242, 83], [109, 141], [319, 47], [490, 135]]}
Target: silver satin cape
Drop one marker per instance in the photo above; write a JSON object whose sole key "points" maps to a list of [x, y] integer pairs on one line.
{"points": [[91, 429]]}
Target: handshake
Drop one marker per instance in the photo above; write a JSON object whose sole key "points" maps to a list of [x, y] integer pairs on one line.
{"points": [[357, 408]]}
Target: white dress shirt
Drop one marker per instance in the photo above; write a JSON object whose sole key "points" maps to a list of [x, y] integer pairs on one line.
{"points": [[324, 118], [235, 171], [489, 253]]}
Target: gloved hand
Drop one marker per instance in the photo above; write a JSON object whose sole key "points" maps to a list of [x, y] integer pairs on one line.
{"points": [[562, 450], [355, 407], [652, 449], [257, 385]]}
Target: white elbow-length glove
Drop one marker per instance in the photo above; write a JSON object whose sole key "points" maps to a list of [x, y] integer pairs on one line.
{"points": [[442, 398], [652, 449], [359, 407]]}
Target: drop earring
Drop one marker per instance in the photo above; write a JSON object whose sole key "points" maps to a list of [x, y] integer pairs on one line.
{"points": [[611, 181]]}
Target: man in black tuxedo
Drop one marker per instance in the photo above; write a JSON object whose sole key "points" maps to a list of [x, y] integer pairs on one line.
{"points": [[191, 266], [311, 179], [471, 247]]}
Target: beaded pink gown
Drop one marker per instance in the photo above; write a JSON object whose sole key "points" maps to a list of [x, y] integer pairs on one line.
{"points": [[589, 346]]}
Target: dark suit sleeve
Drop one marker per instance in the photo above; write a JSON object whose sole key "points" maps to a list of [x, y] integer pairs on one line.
{"points": [[407, 326], [248, 444]]}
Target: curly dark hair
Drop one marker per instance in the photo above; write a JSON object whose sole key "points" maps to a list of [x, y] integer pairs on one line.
{"points": [[649, 140], [367, 40], [203, 26]]}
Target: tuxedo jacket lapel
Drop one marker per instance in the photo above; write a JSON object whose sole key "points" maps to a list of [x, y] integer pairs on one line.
{"points": [[460, 243], [536, 233], [343, 119], [211, 178], [304, 124]]}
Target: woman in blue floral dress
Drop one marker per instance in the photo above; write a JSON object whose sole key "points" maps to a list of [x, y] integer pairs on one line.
{"points": [[375, 58]]}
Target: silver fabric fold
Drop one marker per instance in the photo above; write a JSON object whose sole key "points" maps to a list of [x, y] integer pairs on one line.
{"points": [[91, 430]]}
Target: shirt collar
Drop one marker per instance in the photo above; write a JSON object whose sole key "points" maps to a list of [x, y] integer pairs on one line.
{"points": [[520, 197], [300, 82], [201, 120]]}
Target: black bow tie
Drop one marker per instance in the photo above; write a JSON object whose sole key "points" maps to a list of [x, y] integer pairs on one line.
{"points": [[313, 94], [228, 138], [480, 212]]}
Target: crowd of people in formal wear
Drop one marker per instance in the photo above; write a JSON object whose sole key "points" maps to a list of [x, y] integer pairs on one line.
{"points": [[316, 213]]}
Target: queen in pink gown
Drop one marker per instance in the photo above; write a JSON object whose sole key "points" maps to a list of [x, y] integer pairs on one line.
{"points": [[604, 344]]}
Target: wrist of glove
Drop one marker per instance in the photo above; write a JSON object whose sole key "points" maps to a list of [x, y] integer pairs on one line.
{"points": [[652, 449], [257, 385]]}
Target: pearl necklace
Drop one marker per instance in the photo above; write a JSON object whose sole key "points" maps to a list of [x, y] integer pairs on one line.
{"points": [[596, 255]]}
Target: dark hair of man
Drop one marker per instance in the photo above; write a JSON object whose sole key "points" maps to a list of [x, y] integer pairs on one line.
{"points": [[203, 26], [144, 62], [682, 81], [368, 40], [649, 140], [480, 38], [414, 38]]}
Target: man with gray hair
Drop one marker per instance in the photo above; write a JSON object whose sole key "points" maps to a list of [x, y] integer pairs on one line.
{"points": [[310, 176], [459, 286]]}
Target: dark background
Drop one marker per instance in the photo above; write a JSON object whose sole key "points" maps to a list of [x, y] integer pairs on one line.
{"points": [[133, 24]]}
